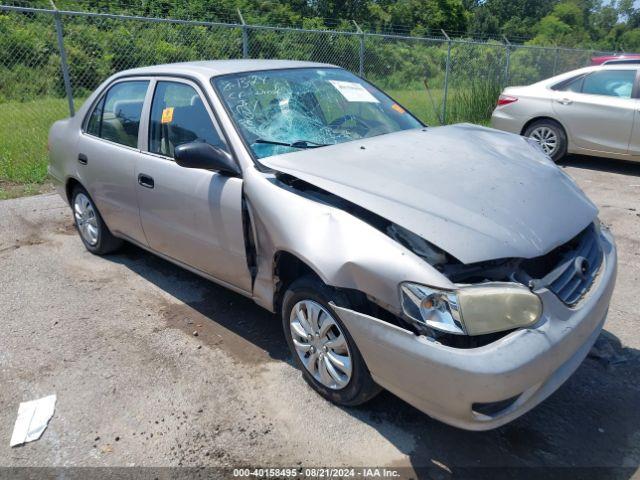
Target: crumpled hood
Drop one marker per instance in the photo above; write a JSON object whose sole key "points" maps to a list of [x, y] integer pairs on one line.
{"points": [[477, 193]]}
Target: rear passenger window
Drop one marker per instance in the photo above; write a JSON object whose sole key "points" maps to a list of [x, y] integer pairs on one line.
{"points": [[178, 116], [613, 83], [574, 85], [93, 127], [117, 116]]}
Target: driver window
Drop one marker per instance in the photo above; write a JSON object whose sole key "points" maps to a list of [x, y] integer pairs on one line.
{"points": [[179, 116]]}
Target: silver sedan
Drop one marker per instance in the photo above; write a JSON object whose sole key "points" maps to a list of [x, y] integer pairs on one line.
{"points": [[455, 266], [591, 111]]}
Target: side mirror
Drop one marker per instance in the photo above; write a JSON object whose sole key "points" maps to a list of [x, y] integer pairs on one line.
{"points": [[204, 155]]}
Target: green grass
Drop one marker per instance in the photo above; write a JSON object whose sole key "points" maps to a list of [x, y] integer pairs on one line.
{"points": [[23, 139], [420, 104], [471, 104]]}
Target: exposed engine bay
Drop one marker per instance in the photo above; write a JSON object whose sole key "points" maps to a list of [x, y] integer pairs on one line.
{"points": [[555, 270]]}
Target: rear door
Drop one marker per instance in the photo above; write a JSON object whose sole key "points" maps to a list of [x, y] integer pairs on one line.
{"points": [[598, 109], [107, 155], [191, 215]]}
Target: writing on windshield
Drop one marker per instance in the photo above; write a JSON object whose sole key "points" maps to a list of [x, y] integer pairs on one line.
{"points": [[280, 111]]}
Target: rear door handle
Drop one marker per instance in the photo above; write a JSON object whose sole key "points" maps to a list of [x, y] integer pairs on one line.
{"points": [[82, 159], [146, 181], [565, 101]]}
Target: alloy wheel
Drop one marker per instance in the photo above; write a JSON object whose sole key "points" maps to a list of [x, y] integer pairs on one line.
{"points": [[546, 138], [86, 220], [320, 344]]}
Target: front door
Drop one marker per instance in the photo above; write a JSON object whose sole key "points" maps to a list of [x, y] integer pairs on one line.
{"points": [[191, 215], [598, 110]]}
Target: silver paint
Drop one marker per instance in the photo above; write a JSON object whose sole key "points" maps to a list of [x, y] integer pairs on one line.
{"points": [[598, 125], [451, 184], [476, 193]]}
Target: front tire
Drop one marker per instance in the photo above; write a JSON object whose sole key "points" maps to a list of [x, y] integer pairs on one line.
{"points": [[321, 345], [550, 136], [93, 232]]}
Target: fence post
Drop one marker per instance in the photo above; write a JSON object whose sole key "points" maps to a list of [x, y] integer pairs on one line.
{"points": [[591, 53], [63, 60], [447, 70], [361, 37], [245, 36], [507, 64], [555, 60]]}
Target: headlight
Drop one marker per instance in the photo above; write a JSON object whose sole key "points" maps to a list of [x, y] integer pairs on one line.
{"points": [[435, 308], [472, 310]]}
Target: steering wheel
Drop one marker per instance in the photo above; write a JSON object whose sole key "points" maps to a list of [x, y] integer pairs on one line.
{"points": [[360, 126]]}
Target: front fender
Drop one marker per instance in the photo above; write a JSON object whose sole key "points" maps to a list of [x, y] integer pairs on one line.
{"points": [[344, 251]]}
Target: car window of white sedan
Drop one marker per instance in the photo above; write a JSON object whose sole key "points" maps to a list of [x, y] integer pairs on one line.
{"points": [[116, 117], [179, 116], [573, 85], [612, 83]]}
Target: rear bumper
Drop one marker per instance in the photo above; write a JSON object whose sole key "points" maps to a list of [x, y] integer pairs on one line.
{"points": [[501, 119], [529, 364], [58, 183]]}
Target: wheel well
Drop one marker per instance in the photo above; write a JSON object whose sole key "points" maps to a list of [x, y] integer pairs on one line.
{"points": [[287, 268], [71, 184], [537, 119]]}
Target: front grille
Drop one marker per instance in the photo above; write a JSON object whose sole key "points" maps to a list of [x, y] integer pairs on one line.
{"points": [[574, 274]]}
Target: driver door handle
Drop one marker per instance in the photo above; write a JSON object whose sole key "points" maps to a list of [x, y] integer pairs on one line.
{"points": [[565, 101], [146, 181]]}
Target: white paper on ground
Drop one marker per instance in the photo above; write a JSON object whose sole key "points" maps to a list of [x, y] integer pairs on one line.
{"points": [[353, 92], [33, 418]]}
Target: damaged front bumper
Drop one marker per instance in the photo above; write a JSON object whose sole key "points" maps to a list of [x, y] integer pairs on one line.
{"points": [[483, 388]]}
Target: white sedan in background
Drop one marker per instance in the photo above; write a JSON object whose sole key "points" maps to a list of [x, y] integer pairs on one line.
{"points": [[590, 111]]}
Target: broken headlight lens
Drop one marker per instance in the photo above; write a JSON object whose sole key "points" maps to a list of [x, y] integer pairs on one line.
{"points": [[474, 309], [437, 309]]}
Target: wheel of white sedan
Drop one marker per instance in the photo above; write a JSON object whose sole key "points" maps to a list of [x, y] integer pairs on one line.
{"points": [[321, 345], [94, 233], [551, 137]]}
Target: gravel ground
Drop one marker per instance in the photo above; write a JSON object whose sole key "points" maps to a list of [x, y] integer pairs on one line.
{"points": [[113, 337]]}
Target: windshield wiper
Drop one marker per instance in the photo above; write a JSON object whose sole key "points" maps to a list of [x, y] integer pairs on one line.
{"points": [[296, 144]]}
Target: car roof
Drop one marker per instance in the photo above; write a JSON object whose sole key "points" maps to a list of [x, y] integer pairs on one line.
{"points": [[606, 58], [213, 68], [581, 71]]}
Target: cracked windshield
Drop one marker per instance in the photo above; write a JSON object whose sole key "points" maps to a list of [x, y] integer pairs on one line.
{"points": [[282, 111]]}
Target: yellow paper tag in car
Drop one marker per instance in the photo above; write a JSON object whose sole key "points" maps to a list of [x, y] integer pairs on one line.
{"points": [[167, 115], [397, 108]]}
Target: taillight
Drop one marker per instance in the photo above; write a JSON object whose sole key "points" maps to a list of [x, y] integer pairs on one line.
{"points": [[506, 100]]}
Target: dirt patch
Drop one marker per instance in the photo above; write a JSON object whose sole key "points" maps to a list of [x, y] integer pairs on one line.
{"points": [[22, 242], [253, 336], [67, 227], [15, 190]]}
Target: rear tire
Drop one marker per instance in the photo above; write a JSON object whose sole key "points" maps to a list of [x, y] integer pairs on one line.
{"points": [[550, 136], [326, 370], [94, 233]]}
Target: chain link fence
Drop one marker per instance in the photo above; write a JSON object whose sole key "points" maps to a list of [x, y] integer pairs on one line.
{"points": [[51, 60]]}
